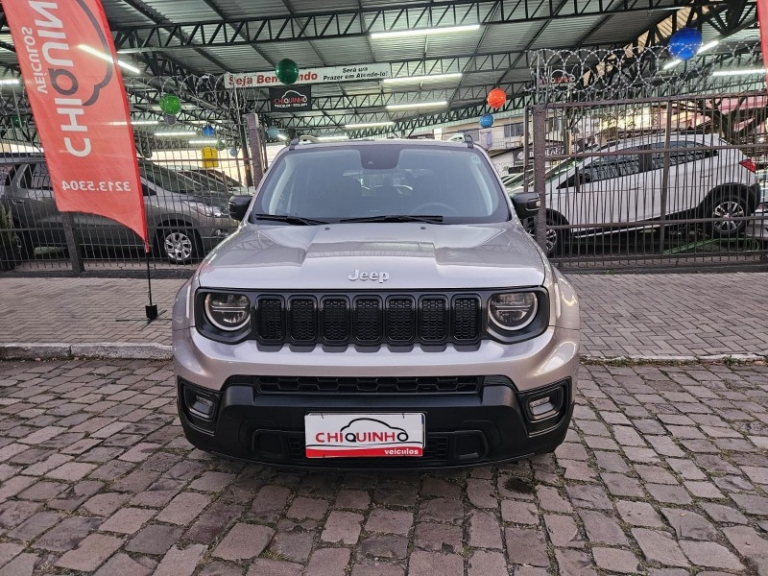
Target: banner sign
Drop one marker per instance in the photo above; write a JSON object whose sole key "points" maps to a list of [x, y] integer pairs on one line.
{"points": [[353, 73], [291, 99], [75, 89], [762, 16]]}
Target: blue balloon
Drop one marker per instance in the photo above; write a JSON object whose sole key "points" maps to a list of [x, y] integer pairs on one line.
{"points": [[486, 120], [208, 130], [273, 132], [685, 43], [233, 151]]}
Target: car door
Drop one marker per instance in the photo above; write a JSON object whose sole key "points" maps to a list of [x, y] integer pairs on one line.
{"points": [[690, 176], [34, 205], [602, 194]]}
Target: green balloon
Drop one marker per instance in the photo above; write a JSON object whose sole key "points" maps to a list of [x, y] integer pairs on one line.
{"points": [[221, 145], [170, 104], [287, 71]]}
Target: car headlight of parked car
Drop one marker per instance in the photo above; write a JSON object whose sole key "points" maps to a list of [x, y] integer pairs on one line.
{"points": [[227, 312], [207, 210], [512, 311]]}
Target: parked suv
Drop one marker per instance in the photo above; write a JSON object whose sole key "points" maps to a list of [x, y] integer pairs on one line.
{"points": [[186, 218], [349, 322], [622, 188]]}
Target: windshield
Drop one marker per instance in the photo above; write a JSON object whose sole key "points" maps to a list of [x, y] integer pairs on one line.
{"points": [[170, 180], [374, 180]]}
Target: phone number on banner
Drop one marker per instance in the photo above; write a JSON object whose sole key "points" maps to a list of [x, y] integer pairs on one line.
{"points": [[91, 186]]}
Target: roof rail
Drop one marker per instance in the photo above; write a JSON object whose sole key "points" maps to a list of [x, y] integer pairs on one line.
{"points": [[468, 141], [306, 138]]}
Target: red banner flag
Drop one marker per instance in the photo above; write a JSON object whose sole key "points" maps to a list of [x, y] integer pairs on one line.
{"points": [[75, 88], [762, 17]]}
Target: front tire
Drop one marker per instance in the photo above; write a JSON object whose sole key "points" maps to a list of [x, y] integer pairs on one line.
{"points": [[180, 245], [555, 239], [726, 206]]}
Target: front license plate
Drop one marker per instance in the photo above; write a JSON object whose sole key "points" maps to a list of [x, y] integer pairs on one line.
{"points": [[364, 435]]}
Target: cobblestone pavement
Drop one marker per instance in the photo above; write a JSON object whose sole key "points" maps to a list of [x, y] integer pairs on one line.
{"points": [[664, 472], [652, 314]]}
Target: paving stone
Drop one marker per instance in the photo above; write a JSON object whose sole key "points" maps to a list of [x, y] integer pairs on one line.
{"points": [[105, 504], [91, 553], [269, 503], [14, 512], [484, 530], [655, 474], [602, 528], [353, 499], [703, 490], [551, 500], [639, 514], [526, 546], [154, 539], [589, 497], [519, 512], [330, 562], [482, 493], [385, 546], [668, 494], [212, 481], [442, 510], [8, 550], [262, 566], [372, 567], [342, 528], [213, 522], [123, 565], [184, 508], [711, 555], [294, 546], [616, 560], [485, 563], [33, 526], [389, 521], [244, 542], [622, 485], [689, 525], [127, 520], [431, 563], [574, 563], [563, 531], [723, 514], [21, 565], [67, 534], [442, 538], [659, 547]]}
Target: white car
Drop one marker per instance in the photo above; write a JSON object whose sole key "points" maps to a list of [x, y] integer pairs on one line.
{"points": [[621, 189]]}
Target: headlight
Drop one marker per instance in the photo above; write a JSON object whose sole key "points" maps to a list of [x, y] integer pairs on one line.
{"points": [[207, 210], [513, 310], [229, 312]]}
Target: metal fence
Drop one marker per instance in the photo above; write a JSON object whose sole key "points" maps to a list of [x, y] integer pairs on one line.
{"points": [[189, 166], [673, 176]]}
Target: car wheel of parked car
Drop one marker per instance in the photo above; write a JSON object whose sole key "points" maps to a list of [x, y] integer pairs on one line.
{"points": [[180, 245], [726, 207], [26, 245], [555, 239]]}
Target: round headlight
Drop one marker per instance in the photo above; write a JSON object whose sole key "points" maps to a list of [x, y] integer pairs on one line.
{"points": [[513, 310], [228, 312]]}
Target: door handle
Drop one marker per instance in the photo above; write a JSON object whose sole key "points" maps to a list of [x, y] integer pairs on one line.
{"points": [[16, 201]]}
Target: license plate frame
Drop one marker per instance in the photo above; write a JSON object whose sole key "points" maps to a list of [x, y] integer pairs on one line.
{"points": [[364, 434]]}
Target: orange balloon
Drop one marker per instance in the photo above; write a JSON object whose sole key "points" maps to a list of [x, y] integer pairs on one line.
{"points": [[496, 98]]}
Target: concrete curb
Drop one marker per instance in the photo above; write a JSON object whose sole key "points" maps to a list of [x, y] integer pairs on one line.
{"points": [[154, 351]]}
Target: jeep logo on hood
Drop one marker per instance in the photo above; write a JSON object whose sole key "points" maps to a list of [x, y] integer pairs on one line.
{"points": [[375, 276]]}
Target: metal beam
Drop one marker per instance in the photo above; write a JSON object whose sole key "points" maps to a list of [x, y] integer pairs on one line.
{"points": [[363, 21]]}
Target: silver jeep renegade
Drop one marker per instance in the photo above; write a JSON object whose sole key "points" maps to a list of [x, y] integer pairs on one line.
{"points": [[379, 306]]}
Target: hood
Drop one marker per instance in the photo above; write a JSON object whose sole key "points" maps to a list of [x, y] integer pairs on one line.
{"points": [[412, 256]]}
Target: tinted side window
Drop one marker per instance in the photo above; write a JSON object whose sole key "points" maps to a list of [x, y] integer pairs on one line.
{"points": [[40, 179], [681, 152], [609, 167]]}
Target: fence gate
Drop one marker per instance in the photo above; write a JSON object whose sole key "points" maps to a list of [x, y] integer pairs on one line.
{"points": [[644, 161], [190, 164]]}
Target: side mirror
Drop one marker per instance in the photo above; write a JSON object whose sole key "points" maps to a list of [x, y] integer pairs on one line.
{"points": [[238, 206], [526, 204]]}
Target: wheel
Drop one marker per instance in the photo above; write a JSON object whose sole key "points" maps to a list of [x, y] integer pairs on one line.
{"points": [[26, 244], [555, 239], [180, 245], [725, 207]]}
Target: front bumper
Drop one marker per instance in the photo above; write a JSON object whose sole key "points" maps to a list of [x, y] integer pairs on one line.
{"points": [[488, 425], [461, 429]]}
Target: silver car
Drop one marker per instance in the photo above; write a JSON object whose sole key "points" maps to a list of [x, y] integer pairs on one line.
{"points": [[186, 218], [351, 322]]}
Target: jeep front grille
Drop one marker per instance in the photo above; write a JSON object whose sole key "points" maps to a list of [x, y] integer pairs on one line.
{"points": [[384, 385], [366, 319]]}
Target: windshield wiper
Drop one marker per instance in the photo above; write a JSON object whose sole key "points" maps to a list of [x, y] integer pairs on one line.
{"points": [[297, 220], [395, 218]]}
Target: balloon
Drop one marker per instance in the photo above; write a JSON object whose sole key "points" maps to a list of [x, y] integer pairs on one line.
{"points": [[208, 130], [170, 119], [273, 132], [486, 120], [233, 151], [17, 121], [496, 98], [170, 104], [685, 43], [287, 71], [221, 145]]}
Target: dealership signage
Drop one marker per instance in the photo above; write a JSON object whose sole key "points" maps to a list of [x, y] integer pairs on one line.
{"points": [[75, 89], [291, 98], [353, 73]]}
